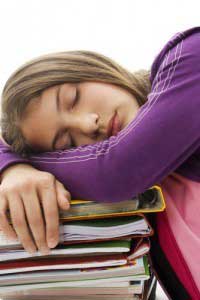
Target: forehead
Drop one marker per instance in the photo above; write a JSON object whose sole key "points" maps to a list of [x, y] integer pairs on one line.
{"points": [[38, 122], [35, 102]]}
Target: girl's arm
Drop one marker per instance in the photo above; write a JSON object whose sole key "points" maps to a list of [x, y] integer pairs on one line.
{"points": [[8, 158], [165, 132]]}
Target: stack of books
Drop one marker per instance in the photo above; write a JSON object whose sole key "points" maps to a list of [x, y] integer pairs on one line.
{"points": [[102, 254]]}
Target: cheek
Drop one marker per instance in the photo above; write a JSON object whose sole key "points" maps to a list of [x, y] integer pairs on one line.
{"points": [[97, 105], [100, 99], [105, 101]]}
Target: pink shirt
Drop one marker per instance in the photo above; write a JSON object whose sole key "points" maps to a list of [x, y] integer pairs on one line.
{"points": [[182, 197]]}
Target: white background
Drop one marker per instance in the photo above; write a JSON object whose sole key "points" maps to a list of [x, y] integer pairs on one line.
{"points": [[130, 31]]}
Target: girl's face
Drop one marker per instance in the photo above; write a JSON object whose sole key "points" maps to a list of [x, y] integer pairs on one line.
{"points": [[71, 115]]}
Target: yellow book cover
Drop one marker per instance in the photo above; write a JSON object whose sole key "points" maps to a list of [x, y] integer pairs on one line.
{"points": [[152, 200]]}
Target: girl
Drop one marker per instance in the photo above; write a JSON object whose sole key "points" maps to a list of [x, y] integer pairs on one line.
{"points": [[78, 121]]}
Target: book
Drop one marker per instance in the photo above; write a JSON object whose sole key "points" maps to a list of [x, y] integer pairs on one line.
{"points": [[119, 288], [94, 230], [27, 265], [134, 270], [151, 200], [69, 284], [108, 247], [131, 249], [107, 228], [19, 296], [139, 247]]}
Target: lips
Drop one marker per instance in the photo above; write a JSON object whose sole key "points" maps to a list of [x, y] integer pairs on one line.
{"points": [[113, 125]]}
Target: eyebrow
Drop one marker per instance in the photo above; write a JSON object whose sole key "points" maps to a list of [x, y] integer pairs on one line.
{"points": [[58, 110]]}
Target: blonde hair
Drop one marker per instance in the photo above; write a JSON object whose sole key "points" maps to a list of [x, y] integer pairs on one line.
{"points": [[32, 78]]}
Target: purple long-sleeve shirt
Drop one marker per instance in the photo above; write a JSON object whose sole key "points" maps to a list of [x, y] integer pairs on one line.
{"points": [[163, 137]]}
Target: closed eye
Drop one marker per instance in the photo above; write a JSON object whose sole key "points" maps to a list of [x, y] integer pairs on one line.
{"points": [[77, 97]]}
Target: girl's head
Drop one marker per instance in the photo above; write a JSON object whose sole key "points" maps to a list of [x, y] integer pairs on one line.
{"points": [[88, 88]]}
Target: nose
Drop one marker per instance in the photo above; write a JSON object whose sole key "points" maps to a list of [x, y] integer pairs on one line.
{"points": [[86, 124]]}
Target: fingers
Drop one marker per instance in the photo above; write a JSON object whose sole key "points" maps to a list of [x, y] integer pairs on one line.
{"points": [[35, 220], [33, 205], [63, 196], [17, 214], [48, 199], [4, 224]]}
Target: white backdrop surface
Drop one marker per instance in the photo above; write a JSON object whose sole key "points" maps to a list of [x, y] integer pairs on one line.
{"points": [[129, 31]]}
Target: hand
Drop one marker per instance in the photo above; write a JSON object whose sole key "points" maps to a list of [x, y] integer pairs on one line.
{"points": [[33, 198]]}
